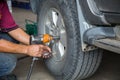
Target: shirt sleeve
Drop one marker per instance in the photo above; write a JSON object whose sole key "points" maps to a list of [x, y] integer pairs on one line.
{"points": [[7, 22]]}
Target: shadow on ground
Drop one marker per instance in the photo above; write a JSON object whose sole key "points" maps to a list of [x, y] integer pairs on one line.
{"points": [[109, 68]]}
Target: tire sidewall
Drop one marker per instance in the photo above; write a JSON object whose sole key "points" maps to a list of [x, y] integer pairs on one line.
{"points": [[69, 62]]}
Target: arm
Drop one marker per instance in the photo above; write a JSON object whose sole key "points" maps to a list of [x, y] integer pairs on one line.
{"points": [[31, 50], [20, 35], [7, 46]]}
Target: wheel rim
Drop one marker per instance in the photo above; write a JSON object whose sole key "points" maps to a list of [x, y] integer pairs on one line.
{"points": [[54, 25]]}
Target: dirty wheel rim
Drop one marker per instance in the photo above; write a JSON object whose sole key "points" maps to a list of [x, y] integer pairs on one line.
{"points": [[55, 26]]}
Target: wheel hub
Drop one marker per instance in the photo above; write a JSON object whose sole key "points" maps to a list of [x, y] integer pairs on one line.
{"points": [[54, 25]]}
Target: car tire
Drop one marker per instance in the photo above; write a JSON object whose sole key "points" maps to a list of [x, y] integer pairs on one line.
{"points": [[74, 64]]}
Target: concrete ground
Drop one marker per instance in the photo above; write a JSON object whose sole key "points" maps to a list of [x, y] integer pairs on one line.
{"points": [[108, 70]]}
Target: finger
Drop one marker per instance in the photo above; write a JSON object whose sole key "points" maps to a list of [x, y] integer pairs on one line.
{"points": [[47, 56], [41, 51], [46, 48], [38, 55]]}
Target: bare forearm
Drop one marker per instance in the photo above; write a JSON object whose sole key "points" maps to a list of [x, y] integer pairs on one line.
{"points": [[20, 35], [9, 47]]}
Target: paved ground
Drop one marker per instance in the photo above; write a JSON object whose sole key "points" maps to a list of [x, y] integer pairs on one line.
{"points": [[108, 70]]}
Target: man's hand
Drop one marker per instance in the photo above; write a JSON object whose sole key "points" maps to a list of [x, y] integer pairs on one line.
{"points": [[31, 50], [37, 50]]}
